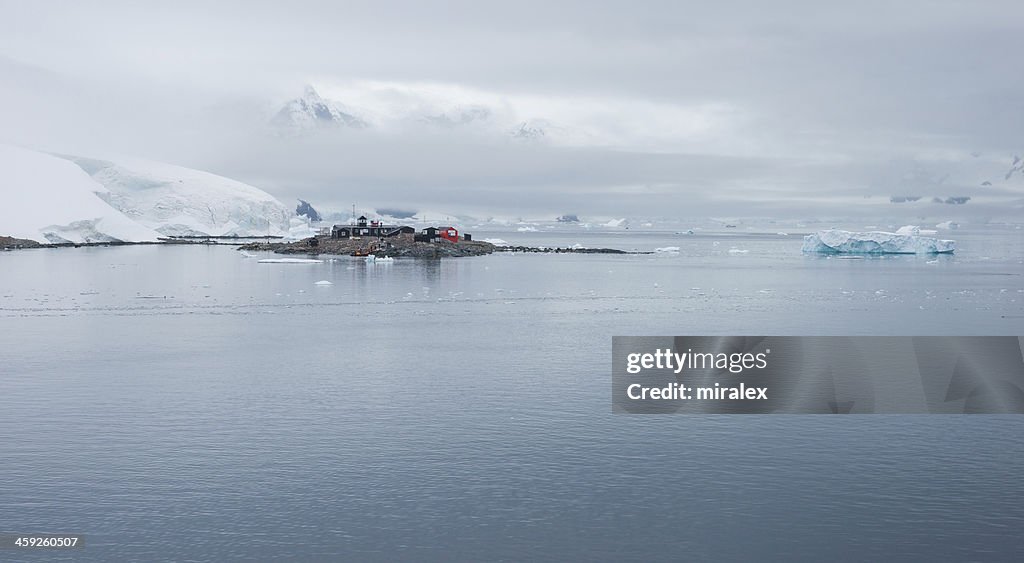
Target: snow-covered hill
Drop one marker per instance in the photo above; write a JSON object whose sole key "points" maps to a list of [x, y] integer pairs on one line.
{"points": [[48, 199], [174, 200]]}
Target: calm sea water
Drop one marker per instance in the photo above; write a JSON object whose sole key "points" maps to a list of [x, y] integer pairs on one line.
{"points": [[189, 403]]}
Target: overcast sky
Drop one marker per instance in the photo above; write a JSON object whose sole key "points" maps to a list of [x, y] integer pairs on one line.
{"points": [[656, 108]]}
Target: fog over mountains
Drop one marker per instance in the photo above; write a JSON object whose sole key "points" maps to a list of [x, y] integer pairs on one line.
{"points": [[658, 109]]}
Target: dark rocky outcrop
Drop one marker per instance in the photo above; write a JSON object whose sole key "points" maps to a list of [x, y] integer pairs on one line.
{"points": [[307, 210], [11, 243]]}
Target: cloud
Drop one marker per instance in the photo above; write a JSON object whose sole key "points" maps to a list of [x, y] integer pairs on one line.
{"points": [[673, 107]]}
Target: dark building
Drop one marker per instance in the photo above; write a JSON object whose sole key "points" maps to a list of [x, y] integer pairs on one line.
{"points": [[434, 234], [364, 228], [426, 235]]}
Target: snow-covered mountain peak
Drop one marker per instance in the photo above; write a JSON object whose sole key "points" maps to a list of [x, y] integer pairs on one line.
{"points": [[311, 111]]}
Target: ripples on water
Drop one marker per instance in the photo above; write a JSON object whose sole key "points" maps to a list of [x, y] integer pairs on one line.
{"points": [[188, 403]]}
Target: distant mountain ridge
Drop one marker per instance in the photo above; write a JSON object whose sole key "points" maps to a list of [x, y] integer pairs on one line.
{"points": [[312, 112]]}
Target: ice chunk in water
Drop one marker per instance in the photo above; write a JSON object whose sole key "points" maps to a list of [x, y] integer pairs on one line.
{"points": [[835, 241]]}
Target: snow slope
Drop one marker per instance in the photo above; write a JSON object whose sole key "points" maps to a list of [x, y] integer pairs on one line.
{"points": [[48, 199], [174, 200]]}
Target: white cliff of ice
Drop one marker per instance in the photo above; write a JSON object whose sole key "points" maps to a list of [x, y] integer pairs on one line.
{"points": [[175, 200], [835, 241], [48, 199]]}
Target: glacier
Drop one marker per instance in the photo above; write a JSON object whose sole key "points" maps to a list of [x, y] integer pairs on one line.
{"points": [[48, 199], [836, 241], [178, 201]]}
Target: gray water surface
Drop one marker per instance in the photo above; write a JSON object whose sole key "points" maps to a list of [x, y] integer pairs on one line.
{"points": [[189, 403]]}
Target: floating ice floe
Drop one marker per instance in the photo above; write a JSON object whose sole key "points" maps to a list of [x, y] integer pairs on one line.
{"points": [[835, 241], [738, 251], [290, 261], [668, 249], [527, 229], [949, 225], [323, 282], [496, 241]]}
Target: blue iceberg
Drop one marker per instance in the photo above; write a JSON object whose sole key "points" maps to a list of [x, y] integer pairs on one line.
{"points": [[907, 240]]}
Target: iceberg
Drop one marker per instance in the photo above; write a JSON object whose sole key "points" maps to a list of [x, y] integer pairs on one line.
{"points": [[835, 241], [914, 230]]}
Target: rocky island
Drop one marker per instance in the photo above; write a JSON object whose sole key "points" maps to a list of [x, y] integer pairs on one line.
{"points": [[405, 245], [400, 245]]}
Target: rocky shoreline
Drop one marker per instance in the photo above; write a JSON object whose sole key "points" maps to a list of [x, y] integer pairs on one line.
{"points": [[566, 250]]}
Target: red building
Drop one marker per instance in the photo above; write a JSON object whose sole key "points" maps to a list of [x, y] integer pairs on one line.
{"points": [[434, 234], [449, 233]]}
